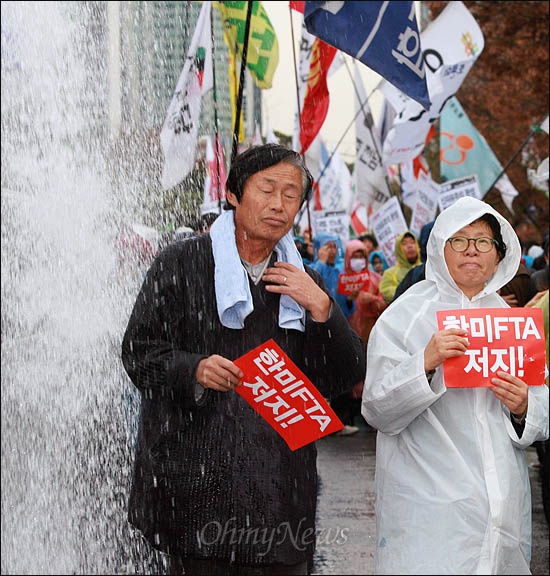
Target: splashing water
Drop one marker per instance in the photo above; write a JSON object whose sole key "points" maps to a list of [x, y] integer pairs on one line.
{"points": [[67, 405]]}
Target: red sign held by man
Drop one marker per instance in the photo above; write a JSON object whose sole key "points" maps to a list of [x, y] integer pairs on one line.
{"points": [[282, 394]]}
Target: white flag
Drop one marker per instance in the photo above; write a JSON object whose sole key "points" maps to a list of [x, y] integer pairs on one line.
{"points": [[335, 189], [371, 188], [178, 136], [270, 136]]}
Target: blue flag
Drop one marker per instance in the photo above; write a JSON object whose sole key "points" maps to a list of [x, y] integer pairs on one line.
{"points": [[382, 35]]}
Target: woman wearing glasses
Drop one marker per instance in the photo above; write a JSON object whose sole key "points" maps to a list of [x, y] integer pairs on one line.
{"points": [[452, 484]]}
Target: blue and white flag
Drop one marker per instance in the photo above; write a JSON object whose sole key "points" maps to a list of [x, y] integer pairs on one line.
{"points": [[464, 151], [382, 35]]}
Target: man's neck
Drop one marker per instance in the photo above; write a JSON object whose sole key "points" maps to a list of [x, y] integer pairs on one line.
{"points": [[253, 251]]}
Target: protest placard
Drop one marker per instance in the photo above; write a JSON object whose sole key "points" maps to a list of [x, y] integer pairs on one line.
{"points": [[282, 394], [350, 283], [507, 339]]}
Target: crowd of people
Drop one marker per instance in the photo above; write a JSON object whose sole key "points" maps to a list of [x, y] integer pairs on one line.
{"points": [[452, 486]]}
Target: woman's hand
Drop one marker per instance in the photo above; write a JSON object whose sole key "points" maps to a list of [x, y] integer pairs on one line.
{"points": [[512, 392], [445, 344]]}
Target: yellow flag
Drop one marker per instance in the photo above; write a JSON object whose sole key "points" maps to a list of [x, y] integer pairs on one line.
{"points": [[263, 49]]}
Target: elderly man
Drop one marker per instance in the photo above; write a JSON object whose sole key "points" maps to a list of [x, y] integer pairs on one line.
{"points": [[215, 486]]}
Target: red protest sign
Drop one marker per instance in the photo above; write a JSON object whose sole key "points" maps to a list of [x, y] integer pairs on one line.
{"points": [[350, 283], [507, 339], [282, 394]]}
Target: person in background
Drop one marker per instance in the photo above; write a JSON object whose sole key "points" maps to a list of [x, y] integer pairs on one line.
{"points": [[210, 472], [540, 279], [417, 273], [369, 303], [378, 262], [206, 222], [370, 242], [543, 446], [452, 485], [407, 255], [326, 250], [308, 242], [515, 293], [302, 249]]}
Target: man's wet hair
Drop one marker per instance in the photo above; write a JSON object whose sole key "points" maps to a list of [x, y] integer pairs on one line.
{"points": [[258, 158]]}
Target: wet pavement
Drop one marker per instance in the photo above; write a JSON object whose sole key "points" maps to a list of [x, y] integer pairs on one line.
{"points": [[345, 516]]}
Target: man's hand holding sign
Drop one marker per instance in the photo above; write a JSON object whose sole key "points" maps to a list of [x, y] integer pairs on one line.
{"points": [[276, 388]]}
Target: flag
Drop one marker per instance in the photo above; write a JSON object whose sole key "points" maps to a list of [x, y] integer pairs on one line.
{"points": [[451, 44], [257, 139], [334, 183], [316, 99], [262, 55], [382, 35], [359, 218], [270, 136], [371, 187], [216, 176], [178, 137], [463, 151]]}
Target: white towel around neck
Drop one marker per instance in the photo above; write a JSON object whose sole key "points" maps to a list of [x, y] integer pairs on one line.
{"points": [[233, 297]]}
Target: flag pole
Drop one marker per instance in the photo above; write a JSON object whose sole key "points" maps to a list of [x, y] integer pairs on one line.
{"points": [[298, 108], [534, 129], [241, 81], [369, 125], [216, 119]]}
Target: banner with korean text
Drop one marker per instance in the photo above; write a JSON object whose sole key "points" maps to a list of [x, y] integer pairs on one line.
{"points": [[282, 394], [507, 339]]}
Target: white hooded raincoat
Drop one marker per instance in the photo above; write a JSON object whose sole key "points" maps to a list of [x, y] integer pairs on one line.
{"points": [[452, 484]]}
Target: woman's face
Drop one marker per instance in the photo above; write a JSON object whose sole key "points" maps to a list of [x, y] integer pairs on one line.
{"points": [[378, 265], [471, 269]]}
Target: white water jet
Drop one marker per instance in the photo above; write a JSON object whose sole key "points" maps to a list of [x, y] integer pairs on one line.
{"points": [[67, 406]]}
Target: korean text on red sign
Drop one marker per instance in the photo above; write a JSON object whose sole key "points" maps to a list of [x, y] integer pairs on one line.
{"points": [[507, 339], [350, 283], [276, 388]]}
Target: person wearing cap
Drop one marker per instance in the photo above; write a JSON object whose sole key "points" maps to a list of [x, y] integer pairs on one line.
{"points": [[214, 486]]}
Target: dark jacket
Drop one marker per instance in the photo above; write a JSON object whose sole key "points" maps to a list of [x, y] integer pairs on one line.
{"points": [[214, 479]]}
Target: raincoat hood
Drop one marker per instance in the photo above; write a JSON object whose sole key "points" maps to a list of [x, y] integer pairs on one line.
{"points": [[380, 255], [463, 212], [400, 256], [321, 239]]}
